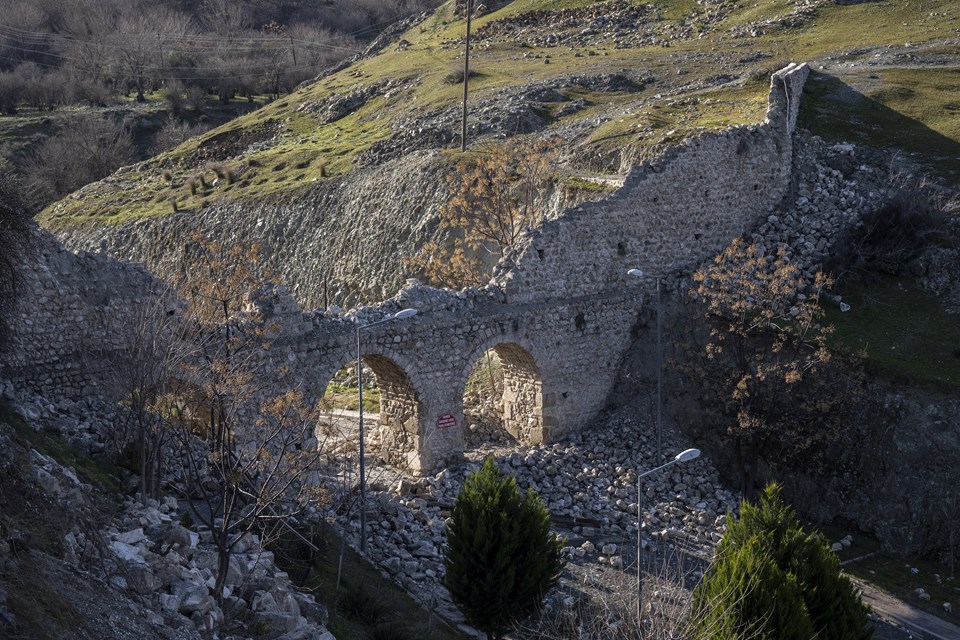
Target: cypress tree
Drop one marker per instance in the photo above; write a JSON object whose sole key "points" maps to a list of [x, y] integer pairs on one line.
{"points": [[773, 581], [501, 557]]}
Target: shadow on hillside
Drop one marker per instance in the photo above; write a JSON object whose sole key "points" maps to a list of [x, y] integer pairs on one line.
{"points": [[836, 111]]}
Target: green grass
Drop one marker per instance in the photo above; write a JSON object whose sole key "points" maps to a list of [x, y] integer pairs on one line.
{"points": [[662, 123], [894, 576], [342, 397], [902, 328], [864, 560], [922, 102], [367, 605], [917, 110]]}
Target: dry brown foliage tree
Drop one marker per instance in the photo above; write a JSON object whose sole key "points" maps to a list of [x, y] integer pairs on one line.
{"points": [[765, 370], [492, 203], [257, 465]]}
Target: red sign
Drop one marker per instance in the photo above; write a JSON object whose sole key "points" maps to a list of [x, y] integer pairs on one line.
{"points": [[446, 421]]}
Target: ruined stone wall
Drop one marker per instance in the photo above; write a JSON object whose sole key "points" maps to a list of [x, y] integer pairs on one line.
{"points": [[72, 313], [670, 214]]}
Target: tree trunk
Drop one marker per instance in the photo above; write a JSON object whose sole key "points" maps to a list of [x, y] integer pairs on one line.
{"points": [[223, 565]]}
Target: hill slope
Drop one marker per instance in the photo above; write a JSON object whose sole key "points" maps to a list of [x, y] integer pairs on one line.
{"points": [[343, 178]]}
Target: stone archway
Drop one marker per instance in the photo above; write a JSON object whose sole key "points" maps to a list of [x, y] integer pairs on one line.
{"points": [[399, 413], [522, 397]]}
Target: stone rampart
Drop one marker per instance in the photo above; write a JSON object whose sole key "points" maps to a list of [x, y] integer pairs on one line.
{"points": [[74, 310], [669, 214], [559, 312]]}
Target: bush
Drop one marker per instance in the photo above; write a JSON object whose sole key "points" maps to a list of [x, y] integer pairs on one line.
{"points": [[501, 557], [773, 581], [889, 237], [87, 148], [361, 604]]}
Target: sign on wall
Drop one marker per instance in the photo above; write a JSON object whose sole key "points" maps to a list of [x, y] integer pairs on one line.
{"points": [[446, 420]]}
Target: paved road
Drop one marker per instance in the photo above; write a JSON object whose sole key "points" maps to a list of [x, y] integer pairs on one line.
{"points": [[900, 613]]}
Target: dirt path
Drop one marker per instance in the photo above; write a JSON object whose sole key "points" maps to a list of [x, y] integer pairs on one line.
{"points": [[902, 614]]}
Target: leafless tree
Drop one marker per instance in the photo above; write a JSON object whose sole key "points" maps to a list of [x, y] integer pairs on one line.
{"points": [[245, 434], [153, 352], [87, 149]]}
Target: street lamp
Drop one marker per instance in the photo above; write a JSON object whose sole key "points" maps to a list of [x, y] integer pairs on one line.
{"points": [[683, 456], [640, 274], [405, 313]]}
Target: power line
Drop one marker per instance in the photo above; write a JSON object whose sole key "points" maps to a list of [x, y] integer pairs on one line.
{"points": [[225, 44]]}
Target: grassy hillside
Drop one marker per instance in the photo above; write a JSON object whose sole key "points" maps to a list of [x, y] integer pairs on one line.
{"points": [[713, 73]]}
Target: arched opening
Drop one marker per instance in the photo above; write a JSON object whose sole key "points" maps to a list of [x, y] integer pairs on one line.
{"points": [[391, 410], [503, 398]]}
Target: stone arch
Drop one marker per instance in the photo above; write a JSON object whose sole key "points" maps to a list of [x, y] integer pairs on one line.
{"points": [[400, 398], [522, 402], [399, 411]]}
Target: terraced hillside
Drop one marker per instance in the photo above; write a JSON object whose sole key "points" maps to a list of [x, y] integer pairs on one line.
{"points": [[344, 177]]}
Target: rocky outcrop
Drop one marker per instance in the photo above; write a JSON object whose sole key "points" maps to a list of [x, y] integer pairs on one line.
{"points": [[341, 241]]}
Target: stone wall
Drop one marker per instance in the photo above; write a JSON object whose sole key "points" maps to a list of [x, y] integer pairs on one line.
{"points": [[669, 214], [72, 313], [559, 313]]}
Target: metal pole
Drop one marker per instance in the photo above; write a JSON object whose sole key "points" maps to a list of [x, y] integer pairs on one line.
{"points": [[363, 476], [639, 549], [659, 377], [466, 78], [640, 478]]}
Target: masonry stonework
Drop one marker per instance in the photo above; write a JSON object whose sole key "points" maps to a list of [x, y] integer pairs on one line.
{"points": [[559, 311]]}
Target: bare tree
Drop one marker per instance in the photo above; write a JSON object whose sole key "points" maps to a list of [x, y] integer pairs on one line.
{"points": [[154, 351], [763, 367], [87, 149], [492, 203], [257, 465]]}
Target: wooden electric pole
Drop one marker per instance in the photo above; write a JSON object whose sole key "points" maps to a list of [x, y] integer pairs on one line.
{"points": [[466, 79]]}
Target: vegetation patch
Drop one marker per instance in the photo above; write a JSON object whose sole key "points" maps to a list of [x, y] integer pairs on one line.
{"points": [[902, 329], [54, 446], [924, 100], [915, 110], [344, 397]]}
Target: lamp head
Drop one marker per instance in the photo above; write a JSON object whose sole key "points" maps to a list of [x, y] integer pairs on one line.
{"points": [[687, 455], [404, 313], [635, 272]]}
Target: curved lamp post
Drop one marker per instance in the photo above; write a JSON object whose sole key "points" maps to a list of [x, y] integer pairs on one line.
{"points": [[405, 313], [637, 273], [683, 456]]}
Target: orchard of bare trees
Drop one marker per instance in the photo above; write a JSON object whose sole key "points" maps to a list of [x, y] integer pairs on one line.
{"points": [[55, 53], [199, 63]]}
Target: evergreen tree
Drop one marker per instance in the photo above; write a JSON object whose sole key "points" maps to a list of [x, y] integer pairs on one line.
{"points": [[773, 581], [501, 557]]}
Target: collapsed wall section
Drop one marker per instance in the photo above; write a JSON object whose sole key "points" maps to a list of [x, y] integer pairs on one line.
{"points": [[670, 214]]}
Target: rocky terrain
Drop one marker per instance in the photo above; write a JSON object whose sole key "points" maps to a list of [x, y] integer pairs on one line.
{"points": [[343, 179]]}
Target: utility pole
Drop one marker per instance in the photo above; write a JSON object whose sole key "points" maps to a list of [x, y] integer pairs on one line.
{"points": [[466, 78]]}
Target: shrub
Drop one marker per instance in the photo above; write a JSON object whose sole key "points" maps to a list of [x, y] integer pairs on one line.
{"points": [[889, 237], [360, 603], [87, 148], [773, 581], [501, 557]]}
